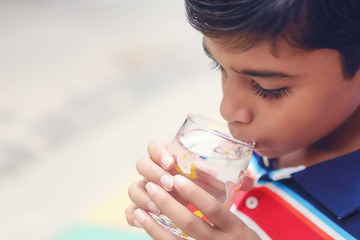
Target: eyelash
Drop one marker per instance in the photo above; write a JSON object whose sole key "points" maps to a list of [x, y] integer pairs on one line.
{"points": [[268, 94], [216, 66]]}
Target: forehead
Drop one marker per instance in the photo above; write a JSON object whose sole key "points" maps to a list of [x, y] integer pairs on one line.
{"points": [[319, 63], [279, 48]]}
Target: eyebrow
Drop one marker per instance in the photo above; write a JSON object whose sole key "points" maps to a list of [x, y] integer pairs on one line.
{"points": [[252, 73], [263, 73]]}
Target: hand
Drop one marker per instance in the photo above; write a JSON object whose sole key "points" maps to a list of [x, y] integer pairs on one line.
{"points": [[158, 168], [225, 224]]}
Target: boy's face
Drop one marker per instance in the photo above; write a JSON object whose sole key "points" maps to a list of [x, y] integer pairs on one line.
{"points": [[283, 102]]}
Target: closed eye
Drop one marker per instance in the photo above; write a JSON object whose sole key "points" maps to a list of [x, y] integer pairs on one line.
{"points": [[216, 66], [269, 94]]}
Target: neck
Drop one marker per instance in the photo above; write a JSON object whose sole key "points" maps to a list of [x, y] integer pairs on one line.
{"points": [[345, 139]]}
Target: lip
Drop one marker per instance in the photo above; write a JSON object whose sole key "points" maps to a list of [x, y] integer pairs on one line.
{"points": [[261, 149], [263, 146], [259, 144], [204, 123], [247, 140], [234, 132]]}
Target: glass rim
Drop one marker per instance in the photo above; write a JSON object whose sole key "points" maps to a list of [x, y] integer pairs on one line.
{"points": [[243, 141]]}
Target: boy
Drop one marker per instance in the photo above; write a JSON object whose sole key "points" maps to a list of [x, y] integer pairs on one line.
{"points": [[291, 82]]}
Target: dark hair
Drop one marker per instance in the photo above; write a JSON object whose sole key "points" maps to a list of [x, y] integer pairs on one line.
{"points": [[305, 24]]}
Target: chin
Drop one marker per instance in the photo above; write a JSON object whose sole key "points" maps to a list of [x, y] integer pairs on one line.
{"points": [[270, 153]]}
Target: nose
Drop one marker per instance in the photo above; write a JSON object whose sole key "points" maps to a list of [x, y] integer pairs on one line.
{"points": [[235, 105]]}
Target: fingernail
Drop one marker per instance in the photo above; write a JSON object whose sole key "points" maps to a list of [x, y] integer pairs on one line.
{"points": [[179, 181], [151, 188], [136, 223], [140, 215], [167, 182], [153, 207], [166, 160]]}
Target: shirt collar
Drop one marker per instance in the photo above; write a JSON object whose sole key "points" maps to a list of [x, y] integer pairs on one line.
{"points": [[334, 183]]}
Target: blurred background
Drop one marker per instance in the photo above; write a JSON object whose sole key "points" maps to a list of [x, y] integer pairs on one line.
{"points": [[85, 85]]}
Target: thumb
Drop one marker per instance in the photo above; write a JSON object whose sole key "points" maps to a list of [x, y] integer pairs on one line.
{"points": [[244, 183], [247, 184]]}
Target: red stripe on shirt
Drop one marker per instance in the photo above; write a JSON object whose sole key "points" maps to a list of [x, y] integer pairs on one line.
{"points": [[277, 217]]}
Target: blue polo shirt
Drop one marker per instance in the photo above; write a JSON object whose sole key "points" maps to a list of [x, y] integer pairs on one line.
{"points": [[317, 202]]}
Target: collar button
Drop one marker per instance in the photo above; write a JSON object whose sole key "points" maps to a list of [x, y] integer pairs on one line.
{"points": [[251, 202]]}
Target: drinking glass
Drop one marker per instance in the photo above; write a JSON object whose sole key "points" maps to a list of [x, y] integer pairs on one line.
{"points": [[206, 153]]}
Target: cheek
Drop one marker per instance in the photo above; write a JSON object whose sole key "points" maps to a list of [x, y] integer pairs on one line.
{"points": [[282, 127], [298, 124], [281, 133]]}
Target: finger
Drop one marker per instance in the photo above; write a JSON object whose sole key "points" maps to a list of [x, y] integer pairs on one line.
{"points": [[204, 202], [130, 217], [179, 214], [159, 153], [140, 198], [209, 179], [152, 228], [232, 190], [154, 173], [247, 184]]}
